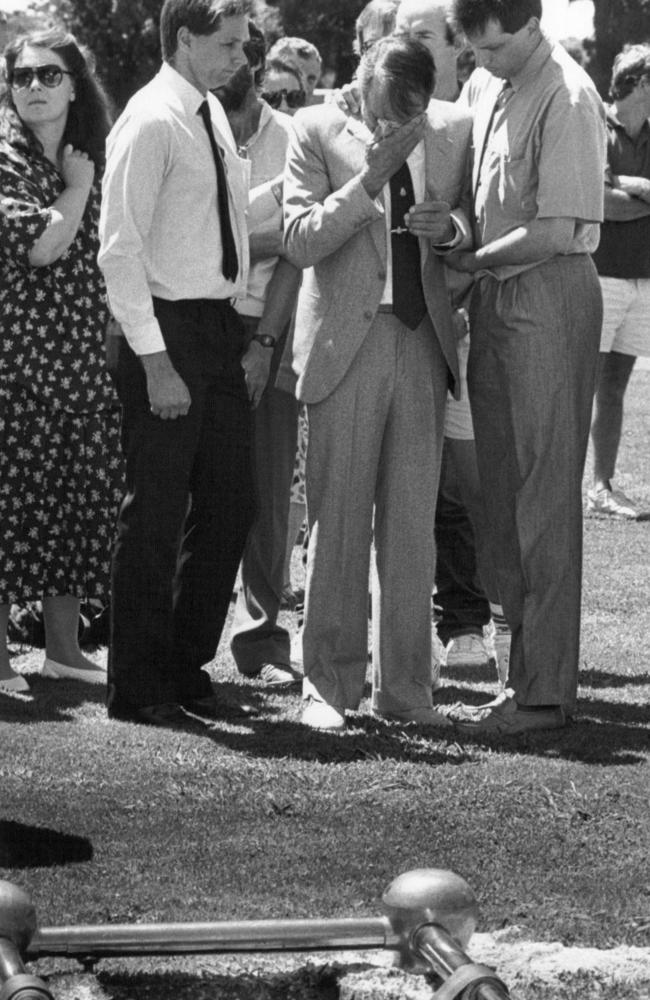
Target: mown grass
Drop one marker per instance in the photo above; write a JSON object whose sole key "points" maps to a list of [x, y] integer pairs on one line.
{"points": [[267, 820]]}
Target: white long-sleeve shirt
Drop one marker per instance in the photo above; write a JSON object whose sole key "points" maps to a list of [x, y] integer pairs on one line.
{"points": [[159, 225]]}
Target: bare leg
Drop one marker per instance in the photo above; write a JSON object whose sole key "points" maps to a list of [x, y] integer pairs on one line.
{"points": [[614, 375], [6, 673], [61, 618]]}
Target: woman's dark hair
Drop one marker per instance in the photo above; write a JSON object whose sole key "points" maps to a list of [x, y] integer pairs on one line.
{"points": [[255, 51], [89, 119]]}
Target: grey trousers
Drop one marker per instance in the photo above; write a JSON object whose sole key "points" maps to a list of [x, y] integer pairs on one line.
{"points": [[531, 375], [374, 449]]}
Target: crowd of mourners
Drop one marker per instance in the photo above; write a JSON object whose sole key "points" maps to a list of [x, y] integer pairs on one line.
{"points": [[385, 321]]}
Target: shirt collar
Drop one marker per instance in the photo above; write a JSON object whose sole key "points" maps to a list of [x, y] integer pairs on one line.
{"points": [[533, 64], [189, 96]]}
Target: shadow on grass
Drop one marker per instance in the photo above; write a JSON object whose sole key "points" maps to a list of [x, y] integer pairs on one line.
{"points": [[23, 846], [605, 679], [49, 700], [304, 983]]}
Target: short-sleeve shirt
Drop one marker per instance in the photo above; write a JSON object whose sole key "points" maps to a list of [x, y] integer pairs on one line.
{"points": [[624, 249], [539, 150], [52, 318]]}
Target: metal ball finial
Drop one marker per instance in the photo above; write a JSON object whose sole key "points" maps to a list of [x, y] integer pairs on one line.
{"points": [[17, 915], [432, 895]]}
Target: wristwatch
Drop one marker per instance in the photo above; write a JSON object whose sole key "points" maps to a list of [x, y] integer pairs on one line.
{"points": [[265, 339]]}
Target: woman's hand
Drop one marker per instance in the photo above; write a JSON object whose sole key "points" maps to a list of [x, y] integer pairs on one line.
{"points": [[77, 169]]}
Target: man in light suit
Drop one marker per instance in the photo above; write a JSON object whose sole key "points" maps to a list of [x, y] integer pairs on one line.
{"points": [[368, 214]]}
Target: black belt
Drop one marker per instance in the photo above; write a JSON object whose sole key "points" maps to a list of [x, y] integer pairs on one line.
{"points": [[385, 307]]}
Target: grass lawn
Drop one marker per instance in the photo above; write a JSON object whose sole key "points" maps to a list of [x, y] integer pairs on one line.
{"points": [[268, 820]]}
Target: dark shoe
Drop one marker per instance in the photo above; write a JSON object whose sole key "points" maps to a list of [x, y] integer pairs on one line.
{"points": [[169, 715], [507, 719], [218, 707]]}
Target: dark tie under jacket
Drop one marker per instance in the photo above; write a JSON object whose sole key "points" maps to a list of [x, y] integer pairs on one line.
{"points": [[408, 298], [230, 261]]}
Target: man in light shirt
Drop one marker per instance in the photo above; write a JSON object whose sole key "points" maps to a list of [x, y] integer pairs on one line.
{"points": [[367, 207], [174, 252], [535, 315]]}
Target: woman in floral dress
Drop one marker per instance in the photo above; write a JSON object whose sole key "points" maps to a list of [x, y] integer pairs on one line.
{"points": [[60, 464]]}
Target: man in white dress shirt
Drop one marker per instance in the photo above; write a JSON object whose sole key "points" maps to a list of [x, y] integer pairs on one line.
{"points": [[174, 253]]}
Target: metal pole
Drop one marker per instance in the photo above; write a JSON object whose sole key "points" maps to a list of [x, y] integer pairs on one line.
{"points": [[111, 940]]}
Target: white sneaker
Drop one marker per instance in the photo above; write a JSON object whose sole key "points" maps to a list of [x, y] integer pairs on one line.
{"points": [[320, 715], [471, 650], [612, 502]]}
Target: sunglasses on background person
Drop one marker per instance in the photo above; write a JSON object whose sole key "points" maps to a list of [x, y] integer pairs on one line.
{"points": [[49, 76], [294, 98]]}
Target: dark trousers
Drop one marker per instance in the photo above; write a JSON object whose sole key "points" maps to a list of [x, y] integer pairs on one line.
{"points": [[187, 510], [532, 370], [464, 605], [256, 636]]}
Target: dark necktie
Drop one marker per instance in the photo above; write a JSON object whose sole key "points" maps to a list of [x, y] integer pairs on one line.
{"points": [[408, 298], [230, 261]]}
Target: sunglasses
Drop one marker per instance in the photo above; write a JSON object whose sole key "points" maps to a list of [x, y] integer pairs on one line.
{"points": [[294, 98], [49, 76]]}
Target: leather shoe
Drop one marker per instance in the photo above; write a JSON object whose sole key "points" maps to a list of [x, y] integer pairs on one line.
{"points": [[424, 716], [507, 719], [168, 715], [213, 706], [320, 715]]}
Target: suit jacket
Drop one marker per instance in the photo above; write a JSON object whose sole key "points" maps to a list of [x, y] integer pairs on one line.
{"points": [[337, 232]]}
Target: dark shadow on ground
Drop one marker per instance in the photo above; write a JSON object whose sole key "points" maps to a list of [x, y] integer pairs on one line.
{"points": [[23, 846], [48, 700]]}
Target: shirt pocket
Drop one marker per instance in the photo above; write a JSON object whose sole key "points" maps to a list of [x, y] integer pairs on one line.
{"points": [[517, 188]]}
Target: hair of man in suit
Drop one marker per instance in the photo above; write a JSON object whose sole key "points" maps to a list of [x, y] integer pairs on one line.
{"points": [[406, 70], [474, 15], [630, 65], [200, 17], [377, 19]]}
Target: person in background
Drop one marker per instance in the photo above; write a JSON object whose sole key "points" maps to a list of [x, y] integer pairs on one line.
{"points": [[61, 473], [374, 350], [623, 264], [260, 646], [535, 317], [174, 250], [283, 87], [376, 20], [304, 56]]}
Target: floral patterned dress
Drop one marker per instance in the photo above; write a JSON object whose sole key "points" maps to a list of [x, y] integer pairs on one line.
{"points": [[61, 474]]}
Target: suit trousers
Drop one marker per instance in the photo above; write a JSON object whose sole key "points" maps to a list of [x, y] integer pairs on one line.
{"points": [[256, 637], [187, 510], [374, 447], [532, 370]]}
